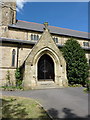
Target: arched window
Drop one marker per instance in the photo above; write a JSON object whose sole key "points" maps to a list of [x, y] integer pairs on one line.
{"points": [[86, 44], [32, 37], [56, 40], [13, 57], [37, 37]]}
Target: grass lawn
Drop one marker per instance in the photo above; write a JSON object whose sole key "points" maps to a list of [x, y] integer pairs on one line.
{"points": [[20, 108]]}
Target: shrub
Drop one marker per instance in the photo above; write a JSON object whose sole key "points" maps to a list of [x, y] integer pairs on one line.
{"points": [[8, 83], [18, 77], [77, 67], [88, 85]]}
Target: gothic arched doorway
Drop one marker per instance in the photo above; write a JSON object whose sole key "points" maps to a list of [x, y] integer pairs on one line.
{"points": [[45, 68]]}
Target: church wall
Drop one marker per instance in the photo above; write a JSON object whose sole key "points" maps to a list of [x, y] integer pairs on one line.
{"points": [[88, 56], [21, 34], [4, 31], [23, 53], [62, 40], [6, 63], [17, 34], [7, 56], [26, 35], [33, 33]]}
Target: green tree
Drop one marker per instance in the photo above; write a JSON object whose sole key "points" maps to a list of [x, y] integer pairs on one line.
{"points": [[77, 66]]}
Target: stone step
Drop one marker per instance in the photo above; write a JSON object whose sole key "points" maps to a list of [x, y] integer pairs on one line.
{"points": [[46, 84]]}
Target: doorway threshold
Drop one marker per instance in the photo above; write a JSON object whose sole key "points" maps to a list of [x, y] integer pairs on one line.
{"points": [[46, 82]]}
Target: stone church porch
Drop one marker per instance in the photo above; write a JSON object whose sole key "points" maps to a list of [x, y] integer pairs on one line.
{"points": [[45, 66]]}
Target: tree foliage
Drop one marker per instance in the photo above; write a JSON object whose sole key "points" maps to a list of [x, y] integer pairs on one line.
{"points": [[77, 66]]}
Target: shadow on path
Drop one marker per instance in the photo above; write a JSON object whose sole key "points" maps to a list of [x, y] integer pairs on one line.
{"points": [[68, 115]]}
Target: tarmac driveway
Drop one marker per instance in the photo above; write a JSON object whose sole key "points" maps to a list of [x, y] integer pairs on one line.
{"points": [[60, 103]]}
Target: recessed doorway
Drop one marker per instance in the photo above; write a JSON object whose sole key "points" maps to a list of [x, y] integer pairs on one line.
{"points": [[45, 68]]}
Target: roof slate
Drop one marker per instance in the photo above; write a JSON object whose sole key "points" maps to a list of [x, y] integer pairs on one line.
{"points": [[54, 30]]}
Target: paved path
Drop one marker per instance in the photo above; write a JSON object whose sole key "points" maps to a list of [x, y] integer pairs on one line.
{"points": [[60, 103]]}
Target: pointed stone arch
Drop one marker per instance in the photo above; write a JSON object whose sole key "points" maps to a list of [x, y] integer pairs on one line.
{"points": [[45, 45], [55, 58], [46, 50]]}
